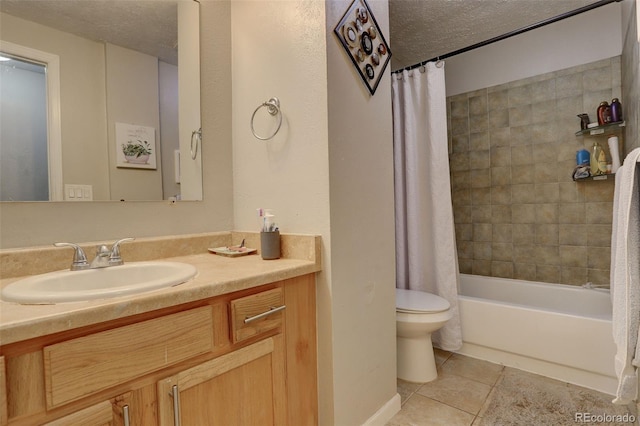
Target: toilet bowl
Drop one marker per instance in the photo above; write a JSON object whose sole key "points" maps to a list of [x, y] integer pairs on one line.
{"points": [[418, 314]]}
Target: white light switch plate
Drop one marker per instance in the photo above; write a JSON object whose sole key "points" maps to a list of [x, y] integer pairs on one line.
{"points": [[73, 192]]}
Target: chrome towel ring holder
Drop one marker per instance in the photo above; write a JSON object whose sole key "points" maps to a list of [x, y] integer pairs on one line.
{"points": [[273, 108], [196, 139]]}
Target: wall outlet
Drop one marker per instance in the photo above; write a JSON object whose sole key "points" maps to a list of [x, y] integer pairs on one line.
{"points": [[73, 192]]}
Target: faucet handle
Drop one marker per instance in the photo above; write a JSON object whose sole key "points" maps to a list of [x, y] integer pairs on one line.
{"points": [[115, 258], [79, 258]]}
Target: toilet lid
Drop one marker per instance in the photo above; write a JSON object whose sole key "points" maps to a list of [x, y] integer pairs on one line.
{"points": [[419, 301]]}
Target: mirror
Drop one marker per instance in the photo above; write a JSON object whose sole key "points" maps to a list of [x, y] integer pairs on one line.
{"points": [[122, 121]]}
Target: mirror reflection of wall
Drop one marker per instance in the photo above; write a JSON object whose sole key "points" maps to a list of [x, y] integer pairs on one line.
{"points": [[103, 83], [24, 170]]}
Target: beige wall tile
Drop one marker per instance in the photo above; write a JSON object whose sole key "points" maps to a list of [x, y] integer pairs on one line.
{"points": [[523, 213], [479, 141], [480, 160], [459, 161], [482, 251], [569, 85], [520, 174], [546, 213], [501, 194], [478, 123], [498, 99], [501, 214], [498, 118], [502, 269], [481, 267], [547, 255], [460, 143], [465, 249], [500, 156], [459, 109], [599, 258], [482, 232], [573, 276], [599, 235], [524, 253], [573, 235], [502, 251], [481, 178], [481, 213], [601, 213], [500, 175], [520, 115], [573, 213], [547, 192], [524, 271], [574, 256], [480, 196], [500, 137], [478, 104], [598, 276], [519, 95], [548, 273], [502, 233], [524, 233], [547, 234], [464, 232]]}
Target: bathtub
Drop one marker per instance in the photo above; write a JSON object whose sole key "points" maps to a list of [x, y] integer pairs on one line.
{"points": [[559, 331]]}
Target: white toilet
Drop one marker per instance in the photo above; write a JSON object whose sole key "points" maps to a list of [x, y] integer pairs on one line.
{"points": [[418, 314]]}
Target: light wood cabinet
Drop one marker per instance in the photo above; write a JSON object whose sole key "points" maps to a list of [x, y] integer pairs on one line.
{"points": [[243, 387], [242, 358]]}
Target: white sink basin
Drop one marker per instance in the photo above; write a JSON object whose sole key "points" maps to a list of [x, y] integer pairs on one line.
{"points": [[102, 283]]}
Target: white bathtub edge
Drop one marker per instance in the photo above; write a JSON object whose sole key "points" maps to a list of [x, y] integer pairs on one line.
{"points": [[595, 381]]}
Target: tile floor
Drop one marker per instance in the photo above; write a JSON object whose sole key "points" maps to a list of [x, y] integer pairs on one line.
{"points": [[479, 393]]}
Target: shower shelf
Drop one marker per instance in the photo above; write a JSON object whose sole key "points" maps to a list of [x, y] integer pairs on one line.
{"points": [[598, 177], [599, 130]]}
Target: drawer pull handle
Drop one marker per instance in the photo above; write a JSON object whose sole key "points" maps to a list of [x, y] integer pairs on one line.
{"points": [[125, 415], [176, 405], [271, 310]]}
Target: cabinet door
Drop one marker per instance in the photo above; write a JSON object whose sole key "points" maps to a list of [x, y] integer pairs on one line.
{"points": [[245, 387]]}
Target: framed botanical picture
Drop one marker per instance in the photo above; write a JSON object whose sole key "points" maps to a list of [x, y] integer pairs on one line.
{"points": [[360, 36], [135, 146]]}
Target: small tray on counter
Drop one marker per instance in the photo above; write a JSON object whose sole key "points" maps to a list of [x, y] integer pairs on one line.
{"points": [[232, 251]]}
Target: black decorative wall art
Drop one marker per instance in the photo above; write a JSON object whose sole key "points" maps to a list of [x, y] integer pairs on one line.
{"points": [[362, 39]]}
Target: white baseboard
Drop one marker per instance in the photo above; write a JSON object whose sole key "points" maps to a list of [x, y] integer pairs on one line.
{"points": [[385, 413]]}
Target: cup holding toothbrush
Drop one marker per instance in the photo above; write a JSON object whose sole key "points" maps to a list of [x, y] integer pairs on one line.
{"points": [[270, 244]]}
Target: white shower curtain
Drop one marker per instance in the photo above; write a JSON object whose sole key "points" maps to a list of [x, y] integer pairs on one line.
{"points": [[426, 255]]}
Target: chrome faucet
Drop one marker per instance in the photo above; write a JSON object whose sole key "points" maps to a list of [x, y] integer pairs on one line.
{"points": [[105, 257]]}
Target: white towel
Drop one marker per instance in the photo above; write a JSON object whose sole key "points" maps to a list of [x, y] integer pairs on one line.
{"points": [[625, 277]]}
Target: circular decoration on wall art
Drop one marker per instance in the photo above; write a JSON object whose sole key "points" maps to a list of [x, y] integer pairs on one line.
{"points": [[370, 72], [366, 43], [350, 35], [362, 15]]}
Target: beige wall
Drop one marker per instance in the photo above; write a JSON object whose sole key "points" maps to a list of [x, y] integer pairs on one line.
{"points": [[82, 98], [329, 170], [132, 85], [362, 229]]}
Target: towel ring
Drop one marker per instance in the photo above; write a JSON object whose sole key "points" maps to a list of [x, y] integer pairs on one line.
{"points": [[196, 136], [273, 108]]}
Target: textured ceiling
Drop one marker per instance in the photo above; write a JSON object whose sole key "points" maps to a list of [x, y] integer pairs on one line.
{"points": [[424, 29], [148, 26], [419, 29]]}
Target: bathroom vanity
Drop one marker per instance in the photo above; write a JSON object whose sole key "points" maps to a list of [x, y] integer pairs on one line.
{"points": [[219, 349]]}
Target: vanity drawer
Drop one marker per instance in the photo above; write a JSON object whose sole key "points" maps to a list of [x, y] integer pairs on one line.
{"points": [[257, 313], [82, 366]]}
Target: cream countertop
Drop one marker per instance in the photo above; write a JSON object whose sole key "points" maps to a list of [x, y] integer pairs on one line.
{"points": [[216, 275]]}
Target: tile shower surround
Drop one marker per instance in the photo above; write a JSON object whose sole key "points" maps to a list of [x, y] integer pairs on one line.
{"points": [[517, 211]]}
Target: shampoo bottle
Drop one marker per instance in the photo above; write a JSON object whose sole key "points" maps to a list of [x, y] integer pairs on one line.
{"points": [[597, 156]]}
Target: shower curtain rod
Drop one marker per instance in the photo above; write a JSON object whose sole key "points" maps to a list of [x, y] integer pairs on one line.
{"points": [[514, 32]]}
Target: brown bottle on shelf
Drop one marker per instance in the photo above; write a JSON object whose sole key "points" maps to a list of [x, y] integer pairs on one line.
{"points": [[604, 113]]}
